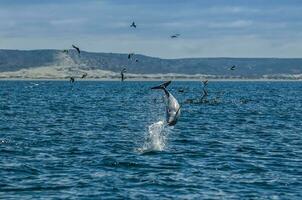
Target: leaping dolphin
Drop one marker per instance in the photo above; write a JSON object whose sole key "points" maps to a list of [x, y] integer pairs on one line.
{"points": [[172, 105]]}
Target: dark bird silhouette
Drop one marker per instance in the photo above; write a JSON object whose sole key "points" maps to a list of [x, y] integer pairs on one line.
{"points": [[122, 74], [136, 60], [130, 55], [76, 48], [65, 51], [175, 36], [233, 67], [133, 25], [205, 82], [72, 79], [84, 75], [205, 92]]}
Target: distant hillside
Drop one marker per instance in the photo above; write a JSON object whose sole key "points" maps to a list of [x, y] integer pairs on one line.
{"points": [[16, 60]]}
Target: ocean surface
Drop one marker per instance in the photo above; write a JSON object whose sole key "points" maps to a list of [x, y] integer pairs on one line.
{"points": [[108, 140]]}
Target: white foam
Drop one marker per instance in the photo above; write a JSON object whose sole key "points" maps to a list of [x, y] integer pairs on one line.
{"points": [[155, 139]]}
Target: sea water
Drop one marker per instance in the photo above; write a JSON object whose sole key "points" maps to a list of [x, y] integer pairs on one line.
{"points": [[99, 140]]}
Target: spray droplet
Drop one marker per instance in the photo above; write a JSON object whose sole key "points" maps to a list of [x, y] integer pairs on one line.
{"points": [[155, 139]]}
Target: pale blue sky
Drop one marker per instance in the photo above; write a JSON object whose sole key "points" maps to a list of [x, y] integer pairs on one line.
{"points": [[208, 28]]}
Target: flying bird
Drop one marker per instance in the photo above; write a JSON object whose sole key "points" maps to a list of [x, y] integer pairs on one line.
{"points": [[84, 75], [133, 25], [72, 80], [76, 48], [122, 74], [65, 51], [205, 82], [130, 55], [175, 36], [205, 92], [233, 67], [136, 60]]}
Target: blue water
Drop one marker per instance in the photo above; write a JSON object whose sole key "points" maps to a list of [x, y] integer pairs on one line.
{"points": [[99, 140]]}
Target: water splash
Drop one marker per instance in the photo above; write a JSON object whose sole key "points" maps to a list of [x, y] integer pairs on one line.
{"points": [[155, 139]]}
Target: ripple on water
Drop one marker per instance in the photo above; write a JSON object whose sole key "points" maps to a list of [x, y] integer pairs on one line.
{"points": [[108, 139]]}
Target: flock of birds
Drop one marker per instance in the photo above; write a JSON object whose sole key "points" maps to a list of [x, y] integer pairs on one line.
{"points": [[172, 106], [130, 57]]}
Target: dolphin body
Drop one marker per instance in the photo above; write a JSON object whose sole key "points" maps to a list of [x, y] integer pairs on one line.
{"points": [[172, 105]]}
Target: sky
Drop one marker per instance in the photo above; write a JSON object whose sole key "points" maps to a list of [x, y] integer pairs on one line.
{"points": [[207, 28]]}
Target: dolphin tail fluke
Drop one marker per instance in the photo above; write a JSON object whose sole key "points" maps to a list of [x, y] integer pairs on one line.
{"points": [[161, 86]]}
